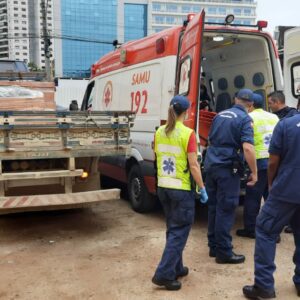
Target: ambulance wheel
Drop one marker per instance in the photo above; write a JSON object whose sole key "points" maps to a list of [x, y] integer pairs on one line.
{"points": [[141, 200]]}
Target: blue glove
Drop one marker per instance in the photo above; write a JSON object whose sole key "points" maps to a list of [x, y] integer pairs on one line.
{"points": [[203, 195]]}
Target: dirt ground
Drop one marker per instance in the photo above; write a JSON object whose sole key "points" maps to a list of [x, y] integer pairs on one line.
{"points": [[110, 252]]}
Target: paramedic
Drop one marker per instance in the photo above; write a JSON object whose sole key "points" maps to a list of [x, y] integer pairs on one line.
{"points": [[176, 158], [263, 125]]}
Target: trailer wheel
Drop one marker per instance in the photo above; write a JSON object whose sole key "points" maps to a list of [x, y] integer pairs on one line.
{"points": [[141, 200]]}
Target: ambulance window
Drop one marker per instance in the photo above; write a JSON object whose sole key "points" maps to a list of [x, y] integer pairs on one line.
{"points": [[88, 97], [184, 81], [296, 79]]}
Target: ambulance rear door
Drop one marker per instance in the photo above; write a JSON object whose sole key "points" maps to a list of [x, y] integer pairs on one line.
{"points": [[292, 66], [190, 57]]}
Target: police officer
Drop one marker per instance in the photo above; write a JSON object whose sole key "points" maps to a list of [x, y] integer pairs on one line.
{"points": [[282, 207], [230, 139], [176, 157], [264, 123]]}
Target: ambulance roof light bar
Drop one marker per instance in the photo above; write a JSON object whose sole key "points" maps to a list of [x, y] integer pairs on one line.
{"points": [[229, 21]]}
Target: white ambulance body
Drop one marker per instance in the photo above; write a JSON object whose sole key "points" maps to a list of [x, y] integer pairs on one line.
{"points": [[144, 75], [292, 66]]}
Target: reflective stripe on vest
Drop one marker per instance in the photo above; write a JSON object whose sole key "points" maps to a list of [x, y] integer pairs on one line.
{"points": [[263, 126], [171, 157]]}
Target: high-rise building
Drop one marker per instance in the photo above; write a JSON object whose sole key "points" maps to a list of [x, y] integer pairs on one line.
{"points": [[167, 13], [14, 31]]}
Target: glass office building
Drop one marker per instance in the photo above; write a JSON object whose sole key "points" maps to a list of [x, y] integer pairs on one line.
{"points": [[86, 29], [135, 21]]}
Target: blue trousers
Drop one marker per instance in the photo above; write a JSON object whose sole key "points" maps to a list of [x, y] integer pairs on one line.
{"points": [[273, 216], [253, 198], [223, 189], [179, 208]]}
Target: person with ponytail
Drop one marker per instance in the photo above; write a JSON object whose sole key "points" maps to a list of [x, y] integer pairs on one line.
{"points": [[176, 158]]}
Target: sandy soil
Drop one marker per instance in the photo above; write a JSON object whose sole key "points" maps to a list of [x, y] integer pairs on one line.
{"points": [[110, 252]]}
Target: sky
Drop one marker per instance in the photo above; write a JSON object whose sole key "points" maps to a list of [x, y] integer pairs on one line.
{"points": [[278, 12]]}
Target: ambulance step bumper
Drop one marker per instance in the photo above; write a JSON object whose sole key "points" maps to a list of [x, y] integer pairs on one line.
{"points": [[18, 204]]}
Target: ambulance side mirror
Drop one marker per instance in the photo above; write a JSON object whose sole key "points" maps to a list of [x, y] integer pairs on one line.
{"points": [[296, 79]]}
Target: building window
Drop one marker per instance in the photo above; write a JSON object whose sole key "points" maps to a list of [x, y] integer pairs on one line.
{"points": [[222, 11], [196, 8], [237, 11], [156, 7], [172, 8], [247, 22], [170, 20], [247, 12], [212, 10], [159, 19], [186, 9]]}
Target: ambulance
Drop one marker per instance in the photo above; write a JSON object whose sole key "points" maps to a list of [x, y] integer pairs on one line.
{"points": [[143, 76], [291, 53]]}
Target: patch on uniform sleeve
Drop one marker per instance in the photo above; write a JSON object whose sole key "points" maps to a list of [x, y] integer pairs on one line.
{"points": [[168, 166]]}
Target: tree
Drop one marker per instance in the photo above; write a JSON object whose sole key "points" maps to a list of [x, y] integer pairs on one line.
{"points": [[33, 67]]}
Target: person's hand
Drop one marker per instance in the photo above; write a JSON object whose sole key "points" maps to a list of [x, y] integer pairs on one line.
{"points": [[252, 179], [203, 195]]}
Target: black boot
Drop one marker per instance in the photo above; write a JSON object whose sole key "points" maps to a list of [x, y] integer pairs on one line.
{"points": [[297, 286], [245, 233], [171, 285], [184, 272], [233, 259], [254, 292]]}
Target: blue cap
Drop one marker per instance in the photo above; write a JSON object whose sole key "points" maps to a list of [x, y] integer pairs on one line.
{"points": [[257, 99], [182, 101], [245, 94]]}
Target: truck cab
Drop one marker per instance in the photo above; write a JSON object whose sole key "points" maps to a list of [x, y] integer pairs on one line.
{"points": [[144, 75]]}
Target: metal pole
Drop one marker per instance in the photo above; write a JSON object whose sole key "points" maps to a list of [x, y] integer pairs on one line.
{"points": [[46, 38]]}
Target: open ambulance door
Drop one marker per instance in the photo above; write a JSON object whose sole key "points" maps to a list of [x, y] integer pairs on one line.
{"points": [[190, 56], [292, 66]]}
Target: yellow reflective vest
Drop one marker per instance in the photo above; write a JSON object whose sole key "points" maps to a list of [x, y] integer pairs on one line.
{"points": [[171, 157], [263, 126]]}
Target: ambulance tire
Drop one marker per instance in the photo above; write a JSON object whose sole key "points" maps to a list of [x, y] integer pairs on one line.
{"points": [[141, 200]]}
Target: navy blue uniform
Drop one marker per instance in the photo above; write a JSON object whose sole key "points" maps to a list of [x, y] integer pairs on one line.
{"points": [[254, 194], [283, 204], [179, 209], [230, 129]]}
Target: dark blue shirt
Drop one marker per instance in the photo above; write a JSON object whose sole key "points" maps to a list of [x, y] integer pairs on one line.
{"points": [[285, 142], [286, 112], [230, 129]]}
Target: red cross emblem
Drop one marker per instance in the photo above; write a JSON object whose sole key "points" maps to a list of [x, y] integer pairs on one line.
{"points": [[107, 94]]}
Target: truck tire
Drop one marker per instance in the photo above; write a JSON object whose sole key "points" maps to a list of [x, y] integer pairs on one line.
{"points": [[141, 200]]}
